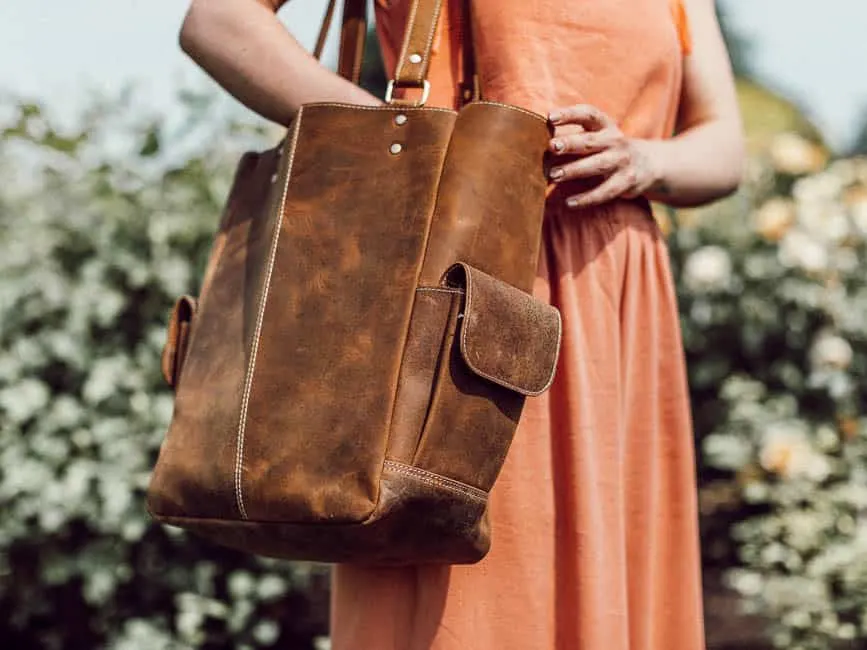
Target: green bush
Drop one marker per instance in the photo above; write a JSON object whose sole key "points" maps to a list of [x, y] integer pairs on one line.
{"points": [[101, 228], [774, 306]]}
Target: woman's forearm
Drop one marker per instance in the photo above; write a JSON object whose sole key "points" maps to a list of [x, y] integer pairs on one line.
{"points": [[248, 51], [697, 166]]}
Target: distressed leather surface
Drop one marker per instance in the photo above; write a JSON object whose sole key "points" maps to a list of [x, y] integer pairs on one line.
{"points": [[337, 310], [506, 336], [483, 217], [435, 308], [414, 60], [422, 520], [326, 411], [194, 470]]}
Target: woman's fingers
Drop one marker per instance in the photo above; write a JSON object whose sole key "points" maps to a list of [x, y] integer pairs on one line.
{"points": [[589, 142], [604, 163], [602, 151], [615, 186], [590, 117]]}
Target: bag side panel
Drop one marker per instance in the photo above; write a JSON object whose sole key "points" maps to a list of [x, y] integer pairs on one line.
{"points": [[193, 476], [353, 232]]}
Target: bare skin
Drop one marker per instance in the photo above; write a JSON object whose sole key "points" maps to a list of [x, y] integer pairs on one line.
{"points": [[247, 50]]}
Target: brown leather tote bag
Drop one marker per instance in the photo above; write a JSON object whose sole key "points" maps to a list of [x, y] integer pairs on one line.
{"points": [[351, 376]]}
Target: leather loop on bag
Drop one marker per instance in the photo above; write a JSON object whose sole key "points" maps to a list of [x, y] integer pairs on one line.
{"points": [[506, 336], [175, 349]]}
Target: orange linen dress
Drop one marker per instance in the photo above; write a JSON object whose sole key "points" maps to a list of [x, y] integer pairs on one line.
{"points": [[595, 532]]}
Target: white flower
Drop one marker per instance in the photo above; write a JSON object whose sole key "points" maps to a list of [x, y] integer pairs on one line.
{"points": [[774, 218], [817, 190], [787, 451], [728, 451], [858, 210], [828, 223], [791, 154], [830, 351], [800, 250], [747, 583], [708, 269]]}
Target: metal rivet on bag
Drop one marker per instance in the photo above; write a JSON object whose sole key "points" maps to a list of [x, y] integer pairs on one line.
{"points": [[400, 119], [415, 58], [274, 177], [396, 148]]}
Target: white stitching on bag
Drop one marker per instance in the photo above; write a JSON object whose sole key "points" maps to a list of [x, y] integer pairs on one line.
{"points": [[438, 481], [248, 380]]}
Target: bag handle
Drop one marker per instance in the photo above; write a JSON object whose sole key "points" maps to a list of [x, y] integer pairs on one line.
{"points": [[414, 60], [353, 33]]}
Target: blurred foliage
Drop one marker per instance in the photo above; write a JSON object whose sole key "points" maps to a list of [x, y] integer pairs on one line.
{"points": [[766, 114], [773, 298], [859, 144], [100, 229]]}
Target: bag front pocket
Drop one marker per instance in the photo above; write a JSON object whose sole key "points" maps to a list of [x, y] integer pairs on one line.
{"points": [[501, 346]]}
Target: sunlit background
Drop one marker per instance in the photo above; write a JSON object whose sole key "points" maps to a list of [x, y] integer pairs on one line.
{"points": [[115, 158]]}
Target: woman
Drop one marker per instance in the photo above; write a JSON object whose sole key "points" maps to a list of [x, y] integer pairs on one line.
{"points": [[596, 540]]}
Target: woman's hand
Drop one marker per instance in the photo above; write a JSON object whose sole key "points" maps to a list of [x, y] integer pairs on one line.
{"points": [[701, 163], [605, 153]]}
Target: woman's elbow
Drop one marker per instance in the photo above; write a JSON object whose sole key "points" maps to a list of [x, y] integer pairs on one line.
{"points": [[207, 21], [194, 24], [736, 164], [731, 155]]}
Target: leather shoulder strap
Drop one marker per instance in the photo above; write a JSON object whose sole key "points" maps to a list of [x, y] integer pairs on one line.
{"points": [[414, 59], [353, 33], [323, 31]]}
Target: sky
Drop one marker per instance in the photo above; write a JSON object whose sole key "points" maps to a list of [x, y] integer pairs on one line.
{"points": [[59, 52]]}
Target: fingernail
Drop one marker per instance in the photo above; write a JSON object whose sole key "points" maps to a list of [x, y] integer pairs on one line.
{"points": [[558, 145], [556, 173], [554, 117]]}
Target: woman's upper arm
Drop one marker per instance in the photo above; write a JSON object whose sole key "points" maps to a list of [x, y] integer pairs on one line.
{"points": [[273, 4], [217, 5], [708, 84], [203, 15]]}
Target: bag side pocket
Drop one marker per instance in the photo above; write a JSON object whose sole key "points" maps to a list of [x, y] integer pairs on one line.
{"points": [[177, 339], [501, 348]]}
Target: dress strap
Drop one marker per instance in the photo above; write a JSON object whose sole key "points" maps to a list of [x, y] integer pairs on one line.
{"points": [[681, 23]]}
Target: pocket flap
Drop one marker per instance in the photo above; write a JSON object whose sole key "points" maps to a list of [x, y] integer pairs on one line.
{"points": [[506, 335], [175, 349]]}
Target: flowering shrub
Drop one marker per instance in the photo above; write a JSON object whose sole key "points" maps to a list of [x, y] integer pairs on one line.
{"points": [[100, 229], [774, 302]]}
